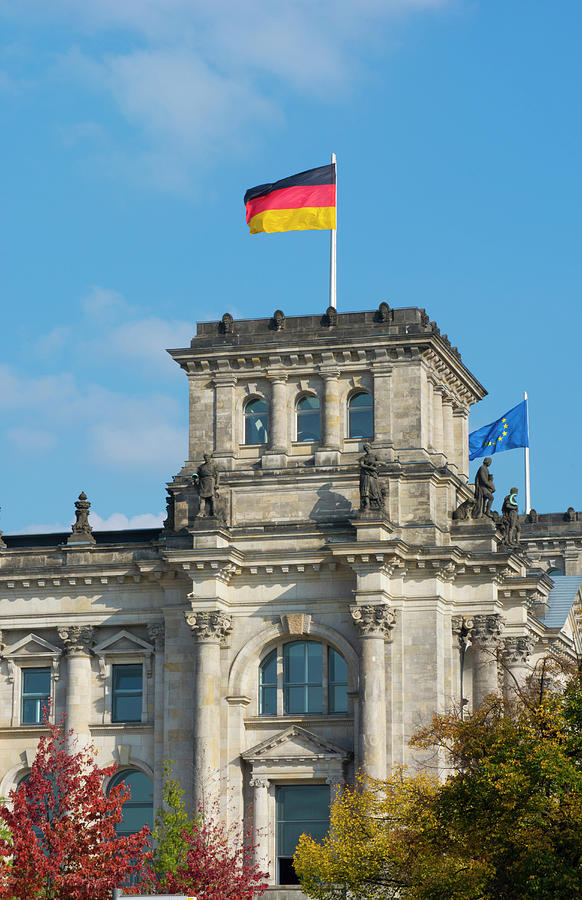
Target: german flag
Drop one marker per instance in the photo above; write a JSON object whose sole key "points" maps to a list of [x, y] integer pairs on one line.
{"points": [[298, 203]]}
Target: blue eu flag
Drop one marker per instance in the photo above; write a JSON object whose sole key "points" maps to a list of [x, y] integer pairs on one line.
{"points": [[505, 434]]}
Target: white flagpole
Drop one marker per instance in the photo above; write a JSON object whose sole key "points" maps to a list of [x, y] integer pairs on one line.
{"points": [[526, 460], [333, 249]]}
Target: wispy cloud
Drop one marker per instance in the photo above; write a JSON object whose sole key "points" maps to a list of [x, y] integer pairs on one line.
{"points": [[197, 81], [116, 521]]}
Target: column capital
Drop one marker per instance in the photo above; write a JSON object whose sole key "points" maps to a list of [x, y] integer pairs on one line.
{"points": [[224, 380], [211, 627], [517, 650], [76, 638], [461, 627], [277, 377], [329, 373], [488, 630], [260, 781], [374, 620]]}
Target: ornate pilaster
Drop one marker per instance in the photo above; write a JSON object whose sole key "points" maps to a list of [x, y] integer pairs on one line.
{"points": [[156, 634], [374, 623], [486, 637], [79, 706], [209, 628]]}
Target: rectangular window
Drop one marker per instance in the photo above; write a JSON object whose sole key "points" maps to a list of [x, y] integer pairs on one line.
{"points": [[301, 808], [36, 692], [127, 693]]}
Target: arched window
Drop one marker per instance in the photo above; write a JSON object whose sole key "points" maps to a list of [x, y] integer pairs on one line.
{"points": [[360, 415], [315, 680], [138, 810], [308, 419], [256, 422]]}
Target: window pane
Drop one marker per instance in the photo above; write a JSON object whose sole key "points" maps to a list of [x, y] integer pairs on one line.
{"points": [[127, 678], [269, 669], [138, 810], [36, 681], [126, 708], [314, 659], [361, 401], [31, 712], [268, 701], [308, 421], [300, 809], [314, 700], [338, 698], [256, 422], [338, 668], [294, 663], [295, 700]]}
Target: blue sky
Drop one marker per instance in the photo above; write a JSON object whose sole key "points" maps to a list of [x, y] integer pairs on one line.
{"points": [[132, 128]]}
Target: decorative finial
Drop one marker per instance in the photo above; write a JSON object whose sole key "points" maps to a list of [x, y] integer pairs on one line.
{"points": [[82, 531]]}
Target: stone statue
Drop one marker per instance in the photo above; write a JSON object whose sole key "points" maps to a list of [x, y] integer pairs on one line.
{"points": [[509, 523], [279, 320], [169, 521], [226, 325], [484, 490], [372, 496], [82, 507], [383, 313], [208, 478], [464, 511]]}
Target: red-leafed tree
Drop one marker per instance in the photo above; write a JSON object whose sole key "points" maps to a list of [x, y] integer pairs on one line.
{"points": [[62, 841], [216, 866]]}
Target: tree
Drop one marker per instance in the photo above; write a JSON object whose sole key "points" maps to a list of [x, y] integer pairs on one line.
{"points": [[172, 826], [62, 840], [198, 854], [505, 824]]}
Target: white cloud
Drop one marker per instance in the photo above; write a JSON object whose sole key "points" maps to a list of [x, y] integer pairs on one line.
{"points": [[104, 304], [139, 443], [115, 522], [197, 80], [53, 341], [145, 341], [31, 440]]}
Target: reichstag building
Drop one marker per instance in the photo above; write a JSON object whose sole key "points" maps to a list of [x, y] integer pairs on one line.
{"points": [[323, 583]]}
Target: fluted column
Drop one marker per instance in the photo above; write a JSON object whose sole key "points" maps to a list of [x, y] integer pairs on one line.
{"points": [[516, 655], [78, 640], [156, 636], [374, 622], [279, 437], [331, 418], [260, 786], [209, 629], [437, 419], [382, 406], [486, 638]]}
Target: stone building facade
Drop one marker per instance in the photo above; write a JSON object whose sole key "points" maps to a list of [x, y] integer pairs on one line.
{"points": [[274, 647]]}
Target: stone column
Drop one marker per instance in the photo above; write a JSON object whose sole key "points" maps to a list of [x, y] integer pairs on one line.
{"points": [[516, 655], [438, 440], [261, 831], [331, 417], [156, 636], [374, 623], [461, 432], [486, 638], [209, 629], [461, 627], [79, 706], [279, 438], [448, 431], [225, 435]]}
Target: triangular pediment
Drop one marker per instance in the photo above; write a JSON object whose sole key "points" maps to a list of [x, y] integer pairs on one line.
{"points": [[123, 642], [32, 645], [295, 743]]}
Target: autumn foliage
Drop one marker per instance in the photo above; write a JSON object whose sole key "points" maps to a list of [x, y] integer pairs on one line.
{"points": [[59, 838], [506, 824]]}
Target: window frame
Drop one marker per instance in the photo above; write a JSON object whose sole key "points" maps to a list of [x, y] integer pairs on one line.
{"points": [[31, 651], [326, 684], [139, 652], [357, 392], [248, 402], [35, 695], [300, 399], [117, 693], [116, 779]]}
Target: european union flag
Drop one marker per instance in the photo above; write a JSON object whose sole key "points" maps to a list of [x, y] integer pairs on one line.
{"points": [[505, 434]]}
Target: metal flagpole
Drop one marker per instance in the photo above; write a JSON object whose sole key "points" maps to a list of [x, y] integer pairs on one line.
{"points": [[526, 459], [333, 249]]}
